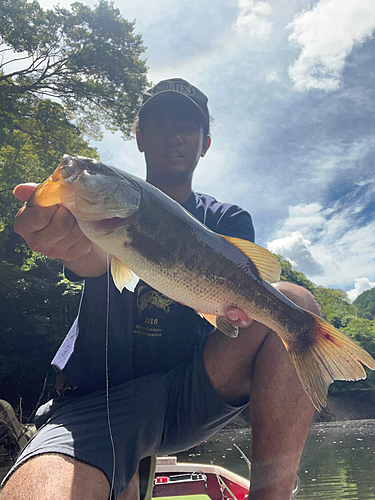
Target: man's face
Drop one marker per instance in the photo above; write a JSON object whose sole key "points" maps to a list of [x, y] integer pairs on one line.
{"points": [[173, 142]]}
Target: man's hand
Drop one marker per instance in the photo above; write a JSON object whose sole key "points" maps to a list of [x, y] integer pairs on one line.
{"points": [[52, 231]]}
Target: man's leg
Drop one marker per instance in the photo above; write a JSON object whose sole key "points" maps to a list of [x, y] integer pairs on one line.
{"points": [[281, 415], [257, 364], [57, 477], [79, 426], [132, 491], [60, 477]]}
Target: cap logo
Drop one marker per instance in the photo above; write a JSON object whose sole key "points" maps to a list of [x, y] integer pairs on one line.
{"points": [[182, 87], [174, 87]]}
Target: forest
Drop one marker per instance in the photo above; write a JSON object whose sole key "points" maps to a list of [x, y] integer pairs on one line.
{"points": [[65, 76]]}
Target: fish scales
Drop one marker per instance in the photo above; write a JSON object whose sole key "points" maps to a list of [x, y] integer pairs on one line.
{"points": [[153, 236], [184, 267], [198, 272]]}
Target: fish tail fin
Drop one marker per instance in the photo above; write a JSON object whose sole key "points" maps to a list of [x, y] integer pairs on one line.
{"points": [[329, 356]]}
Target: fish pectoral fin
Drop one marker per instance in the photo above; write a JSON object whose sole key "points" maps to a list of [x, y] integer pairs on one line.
{"points": [[267, 264], [222, 323], [121, 274], [151, 249]]}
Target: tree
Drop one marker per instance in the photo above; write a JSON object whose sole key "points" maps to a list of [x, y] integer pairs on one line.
{"points": [[288, 274], [337, 310], [335, 305], [362, 331], [365, 303], [34, 155], [35, 314], [86, 59], [76, 71], [64, 75]]}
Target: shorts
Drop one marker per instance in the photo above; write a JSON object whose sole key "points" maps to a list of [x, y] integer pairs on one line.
{"points": [[156, 414]]}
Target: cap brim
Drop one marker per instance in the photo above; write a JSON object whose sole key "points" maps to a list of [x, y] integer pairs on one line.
{"points": [[164, 92]]}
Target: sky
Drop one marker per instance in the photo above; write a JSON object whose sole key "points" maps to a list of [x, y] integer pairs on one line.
{"points": [[291, 88]]}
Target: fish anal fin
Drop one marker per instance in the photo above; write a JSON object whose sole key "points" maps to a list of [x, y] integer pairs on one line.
{"points": [[121, 274], [266, 263], [222, 323], [333, 356]]}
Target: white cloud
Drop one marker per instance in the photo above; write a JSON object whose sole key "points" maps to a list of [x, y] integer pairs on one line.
{"points": [[305, 217], [326, 35], [252, 18], [328, 244], [273, 77], [297, 250], [361, 285]]}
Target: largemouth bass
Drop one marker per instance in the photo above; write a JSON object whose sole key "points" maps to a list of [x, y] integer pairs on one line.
{"points": [[151, 235]]}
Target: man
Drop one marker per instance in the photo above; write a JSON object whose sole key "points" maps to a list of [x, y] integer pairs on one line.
{"points": [[145, 375]]}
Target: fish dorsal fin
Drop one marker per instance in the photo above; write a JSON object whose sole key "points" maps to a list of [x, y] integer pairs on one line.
{"points": [[221, 323], [266, 263], [121, 274]]}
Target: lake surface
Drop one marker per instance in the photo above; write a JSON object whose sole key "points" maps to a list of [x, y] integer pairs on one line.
{"points": [[338, 462]]}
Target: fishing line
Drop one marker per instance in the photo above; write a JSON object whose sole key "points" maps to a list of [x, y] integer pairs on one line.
{"points": [[107, 383]]}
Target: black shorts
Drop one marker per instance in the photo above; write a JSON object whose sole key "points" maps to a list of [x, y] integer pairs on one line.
{"points": [[152, 415]]}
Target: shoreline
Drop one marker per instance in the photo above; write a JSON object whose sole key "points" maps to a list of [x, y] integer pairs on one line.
{"points": [[352, 406]]}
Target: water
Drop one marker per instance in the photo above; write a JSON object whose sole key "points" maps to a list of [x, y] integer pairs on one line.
{"points": [[338, 462]]}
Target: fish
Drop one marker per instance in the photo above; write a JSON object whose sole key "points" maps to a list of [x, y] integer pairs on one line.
{"points": [[151, 236]]}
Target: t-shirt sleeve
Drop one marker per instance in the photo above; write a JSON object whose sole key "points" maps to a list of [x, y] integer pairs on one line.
{"points": [[69, 275], [236, 222]]}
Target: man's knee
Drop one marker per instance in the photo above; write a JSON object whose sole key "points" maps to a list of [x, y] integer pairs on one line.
{"points": [[299, 295], [55, 476]]}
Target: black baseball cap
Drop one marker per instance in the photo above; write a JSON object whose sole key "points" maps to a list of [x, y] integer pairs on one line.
{"points": [[181, 87]]}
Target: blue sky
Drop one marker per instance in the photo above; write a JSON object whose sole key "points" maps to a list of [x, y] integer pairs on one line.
{"points": [[291, 88]]}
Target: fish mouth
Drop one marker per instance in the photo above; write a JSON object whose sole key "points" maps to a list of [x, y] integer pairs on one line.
{"points": [[68, 170], [58, 187]]}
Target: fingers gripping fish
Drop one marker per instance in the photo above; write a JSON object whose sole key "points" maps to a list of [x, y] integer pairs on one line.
{"points": [[151, 235]]}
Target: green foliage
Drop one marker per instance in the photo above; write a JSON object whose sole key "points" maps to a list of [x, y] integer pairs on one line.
{"points": [[86, 59], [365, 304], [64, 75], [77, 70], [334, 303], [33, 155], [335, 306], [35, 313], [288, 274], [338, 311], [362, 331]]}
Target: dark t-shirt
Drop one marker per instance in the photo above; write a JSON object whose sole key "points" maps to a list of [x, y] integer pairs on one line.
{"points": [[147, 331]]}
